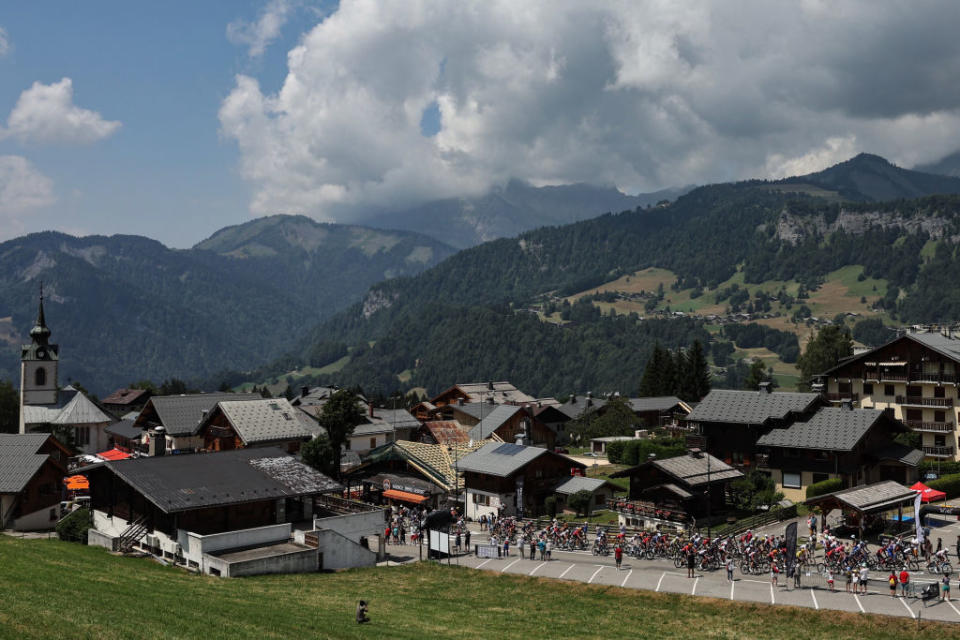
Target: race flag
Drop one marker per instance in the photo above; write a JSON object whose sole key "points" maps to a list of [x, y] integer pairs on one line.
{"points": [[791, 547], [916, 516]]}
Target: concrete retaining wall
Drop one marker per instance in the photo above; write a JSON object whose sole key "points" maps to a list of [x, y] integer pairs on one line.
{"points": [[354, 526], [340, 552], [296, 562], [195, 546]]}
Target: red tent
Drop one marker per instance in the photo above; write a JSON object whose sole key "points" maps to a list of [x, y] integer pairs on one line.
{"points": [[929, 495], [114, 454]]}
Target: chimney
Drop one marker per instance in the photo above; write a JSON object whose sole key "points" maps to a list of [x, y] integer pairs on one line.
{"points": [[573, 398], [304, 391], [589, 394], [765, 387], [158, 442]]}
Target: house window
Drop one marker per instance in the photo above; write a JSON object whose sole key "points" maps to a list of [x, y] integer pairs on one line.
{"points": [[939, 392], [939, 441], [40, 377], [888, 390], [373, 442], [867, 388], [791, 480], [82, 436], [481, 499]]}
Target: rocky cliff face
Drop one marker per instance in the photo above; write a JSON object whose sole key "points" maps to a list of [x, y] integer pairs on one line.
{"points": [[794, 228]]}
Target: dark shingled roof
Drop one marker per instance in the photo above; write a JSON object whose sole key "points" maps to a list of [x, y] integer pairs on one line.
{"points": [[872, 497], [194, 481], [750, 407], [578, 406], [901, 453], [693, 471], [181, 414], [493, 421], [658, 403], [124, 429], [19, 460], [830, 429]]}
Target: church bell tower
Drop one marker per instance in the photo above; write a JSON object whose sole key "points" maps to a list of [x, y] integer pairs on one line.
{"points": [[39, 361]]}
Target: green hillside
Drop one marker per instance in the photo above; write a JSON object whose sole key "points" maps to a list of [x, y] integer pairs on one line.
{"points": [[64, 590]]}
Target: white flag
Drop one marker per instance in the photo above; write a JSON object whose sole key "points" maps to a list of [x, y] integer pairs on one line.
{"points": [[916, 516]]}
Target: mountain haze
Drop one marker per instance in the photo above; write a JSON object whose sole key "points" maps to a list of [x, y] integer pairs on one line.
{"points": [[947, 166]]}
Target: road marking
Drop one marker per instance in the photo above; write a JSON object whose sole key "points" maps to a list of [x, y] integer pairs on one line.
{"points": [[567, 569], [752, 580], [953, 607], [909, 610], [660, 580], [624, 583], [590, 581], [772, 599], [509, 565], [859, 604], [534, 570], [816, 605], [693, 591], [484, 562], [732, 583]]}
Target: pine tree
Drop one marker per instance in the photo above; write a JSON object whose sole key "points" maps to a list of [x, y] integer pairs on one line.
{"points": [[694, 383]]}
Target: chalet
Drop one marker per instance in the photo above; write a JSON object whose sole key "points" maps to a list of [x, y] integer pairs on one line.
{"points": [[32, 468], [676, 490], [576, 407], [495, 392], [662, 411], [855, 445], [444, 432], [232, 513], [601, 491], [732, 421], [554, 419], [180, 415], [255, 423], [917, 376], [508, 422], [123, 401], [512, 479], [124, 434]]}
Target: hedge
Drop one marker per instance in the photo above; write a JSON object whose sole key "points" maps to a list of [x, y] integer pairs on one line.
{"points": [[74, 526], [633, 452], [824, 486], [949, 484]]}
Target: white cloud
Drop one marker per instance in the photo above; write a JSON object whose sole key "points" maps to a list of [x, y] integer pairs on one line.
{"points": [[643, 94], [22, 189], [5, 45], [45, 113], [258, 35]]}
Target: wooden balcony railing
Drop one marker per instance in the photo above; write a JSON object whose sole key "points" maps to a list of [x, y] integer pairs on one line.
{"points": [[925, 402], [938, 452], [920, 425]]}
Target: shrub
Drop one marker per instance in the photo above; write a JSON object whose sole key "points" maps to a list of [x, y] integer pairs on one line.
{"points": [[580, 502], [550, 505], [949, 484], [74, 526], [823, 487], [615, 451]]}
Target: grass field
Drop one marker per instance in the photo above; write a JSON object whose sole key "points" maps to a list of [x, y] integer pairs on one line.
{"points": [[62, 590]]}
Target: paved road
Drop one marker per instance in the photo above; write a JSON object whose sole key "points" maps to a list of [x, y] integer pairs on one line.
{"points": [[661, 576]]}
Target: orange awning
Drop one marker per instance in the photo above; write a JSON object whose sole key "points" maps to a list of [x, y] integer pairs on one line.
{"points": [[404, 496], [114, 454], [76, 483]]}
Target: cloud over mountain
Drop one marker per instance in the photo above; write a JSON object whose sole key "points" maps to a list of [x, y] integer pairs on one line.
{"points": [[642, 94], [22, 188], [45, 113]]}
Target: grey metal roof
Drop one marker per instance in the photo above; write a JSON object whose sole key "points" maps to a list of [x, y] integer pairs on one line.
{"points": [[37, 414], [830, 429], [194, 481], [493, 421], [476, 410], [372, 426], [901, 453], [750, 407], [658, 403], [399, 418], [501, 459], [16, 469], [263, 420], [502, 391], [579, 483], [124, 429], [694, 472], [81, 410], [181, 415], [871, 497]]}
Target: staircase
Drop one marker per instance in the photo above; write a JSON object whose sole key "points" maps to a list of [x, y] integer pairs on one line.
{"points": [[132, 535]]}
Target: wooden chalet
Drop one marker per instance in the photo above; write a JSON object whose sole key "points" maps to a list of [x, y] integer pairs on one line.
{"points": [[257, 423], [32, 469], [496, 392]]}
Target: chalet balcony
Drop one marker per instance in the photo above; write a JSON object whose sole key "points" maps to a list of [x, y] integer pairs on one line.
{"points": [[889, 376], [841, 397], [938, 452], [934, 427], [763, 460], [932, 378], [918, 401]]}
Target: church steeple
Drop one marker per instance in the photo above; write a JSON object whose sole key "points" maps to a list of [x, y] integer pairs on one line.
{"points": [[40, 334]]}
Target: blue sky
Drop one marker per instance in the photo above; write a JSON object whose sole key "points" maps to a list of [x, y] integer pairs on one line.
{"points": [[161, 69], [174, 119]]}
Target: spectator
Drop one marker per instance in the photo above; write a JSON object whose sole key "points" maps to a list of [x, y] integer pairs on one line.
{"points": [[730, 566], [618, 555], [892, 580], [362, 612], [466, 539], [904, 582]]}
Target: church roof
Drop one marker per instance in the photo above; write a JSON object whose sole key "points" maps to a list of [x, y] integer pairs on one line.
{"points": [[82, 410]]}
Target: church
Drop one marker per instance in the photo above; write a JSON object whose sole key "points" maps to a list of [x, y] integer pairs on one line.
{"points": [[44, 406]]}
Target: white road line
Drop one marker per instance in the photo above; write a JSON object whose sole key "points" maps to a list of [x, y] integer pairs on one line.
{"points": [[534, 570], [816, 605], [953, 607], [693, 591], [590, 581], [484, 562], [752, 580], [567, 569], [732, 583], [624, 583], [504, 570], [859, 604], [772, 599], [660, 580], [907, 607]]}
